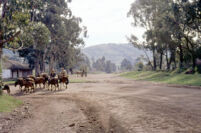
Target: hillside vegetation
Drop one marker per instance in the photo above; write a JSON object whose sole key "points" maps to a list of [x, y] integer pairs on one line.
{"points": [[165, 77], [113, 52]]}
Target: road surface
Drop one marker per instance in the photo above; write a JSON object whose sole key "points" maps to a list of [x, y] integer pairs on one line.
{"points": [[111, 104]]}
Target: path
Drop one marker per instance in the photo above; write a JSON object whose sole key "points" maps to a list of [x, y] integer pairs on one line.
{"points": [[109, 103]]}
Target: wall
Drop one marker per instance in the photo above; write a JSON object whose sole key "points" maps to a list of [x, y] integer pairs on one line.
{"points": [[6, 73]]}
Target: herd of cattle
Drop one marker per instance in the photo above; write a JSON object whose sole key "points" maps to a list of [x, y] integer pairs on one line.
{"points": [[31, 82]]}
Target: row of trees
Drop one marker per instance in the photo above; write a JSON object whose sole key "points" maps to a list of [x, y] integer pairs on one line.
{"points": [[104, 65], [173, 31], [44, 32], [107, 66]]}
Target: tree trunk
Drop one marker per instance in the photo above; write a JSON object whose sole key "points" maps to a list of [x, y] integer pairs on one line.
{"points": [[181, 57], [51, 64], [194, 62], [43, 63], [148, 59], [191, 50], [1, 52], [37, 67], [174, 60], [167, 61], [154, 60], [161, 60]]}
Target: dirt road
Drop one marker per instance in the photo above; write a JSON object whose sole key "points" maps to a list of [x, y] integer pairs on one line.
{"points": [[111, 104]]}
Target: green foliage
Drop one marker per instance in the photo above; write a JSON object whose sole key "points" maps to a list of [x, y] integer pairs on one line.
{"points": [[66, 34], [43, 30], [83, 63], [126, 65], [104, 65], [110, 67], [8, 103], [36, 35], [53, 35], [172, 30], [140, 66]]}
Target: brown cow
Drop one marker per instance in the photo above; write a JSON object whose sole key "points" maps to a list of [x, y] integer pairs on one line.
{"points": [[64, 80], [39, 81], [31, 76], [27, 83], [45, 75], [6, 88], [53, 82], [20, 82]]}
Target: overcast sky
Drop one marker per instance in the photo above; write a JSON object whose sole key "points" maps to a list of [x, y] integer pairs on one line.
{"points": [[106, 20]]}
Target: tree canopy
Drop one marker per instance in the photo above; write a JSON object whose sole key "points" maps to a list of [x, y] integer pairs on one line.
{"points": [[44, 32], [172, 31]]}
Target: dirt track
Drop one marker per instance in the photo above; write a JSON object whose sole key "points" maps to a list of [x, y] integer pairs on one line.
{"points": [[109, 103]]}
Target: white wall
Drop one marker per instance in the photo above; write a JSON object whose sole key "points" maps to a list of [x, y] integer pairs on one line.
{"points": [[15, 74], [20, 74], [6, 74]]}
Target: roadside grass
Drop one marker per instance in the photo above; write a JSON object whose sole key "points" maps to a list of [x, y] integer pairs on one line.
{"points": [[8, 103], [165, 77], [9, 82]]}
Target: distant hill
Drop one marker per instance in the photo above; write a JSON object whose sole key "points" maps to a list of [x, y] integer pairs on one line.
{"points": [[114, 52]]}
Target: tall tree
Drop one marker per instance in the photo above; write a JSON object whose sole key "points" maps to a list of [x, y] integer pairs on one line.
{"points": [[172, 27], [13, 18]]}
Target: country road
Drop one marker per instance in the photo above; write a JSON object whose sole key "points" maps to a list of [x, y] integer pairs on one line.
{"points": [[111, 104]]}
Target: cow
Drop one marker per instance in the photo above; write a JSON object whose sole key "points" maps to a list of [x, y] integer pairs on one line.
{"points": [[6, 88], [26, 83], [53, 82], [64, 80], [20, 82], [39, 81]]}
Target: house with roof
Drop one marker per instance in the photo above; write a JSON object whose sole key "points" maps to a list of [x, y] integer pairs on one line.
{"points": [[15, 69]]}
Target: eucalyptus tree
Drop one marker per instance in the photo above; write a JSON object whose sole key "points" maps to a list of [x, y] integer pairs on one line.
{"points": [[188, 13], [126, 65], [70, 43], [65, 31], [36, 38], [144, 12], [14, 17], [163, 29]]}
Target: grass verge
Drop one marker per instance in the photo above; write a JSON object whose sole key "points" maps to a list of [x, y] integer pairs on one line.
{"points": [[165, 77], [9, 82], [8, 103]]}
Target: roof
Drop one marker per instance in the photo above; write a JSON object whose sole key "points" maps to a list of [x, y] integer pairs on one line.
{"points": [[14, 65]]}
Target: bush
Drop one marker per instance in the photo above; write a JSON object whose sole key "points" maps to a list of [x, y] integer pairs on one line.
{"points": [[140, 66]]}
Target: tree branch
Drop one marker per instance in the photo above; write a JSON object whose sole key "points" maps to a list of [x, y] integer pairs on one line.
{"points": [[2, 42]]}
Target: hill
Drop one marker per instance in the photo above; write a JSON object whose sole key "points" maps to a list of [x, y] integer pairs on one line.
{"points": [[114, 52]]}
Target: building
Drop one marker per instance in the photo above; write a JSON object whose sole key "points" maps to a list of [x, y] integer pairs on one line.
{"points": [[15, 69]]}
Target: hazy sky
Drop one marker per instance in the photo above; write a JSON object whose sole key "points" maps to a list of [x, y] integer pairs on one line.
{"points": [[106, 20]]}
